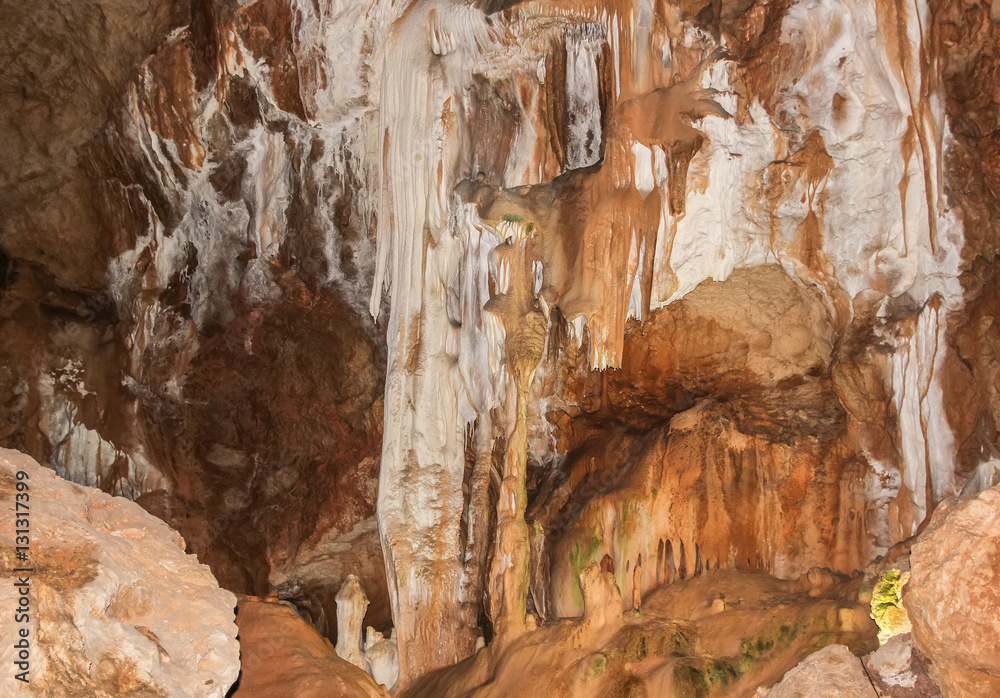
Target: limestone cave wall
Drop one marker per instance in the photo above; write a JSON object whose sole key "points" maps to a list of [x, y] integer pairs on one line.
{"points": [[463, 298]]}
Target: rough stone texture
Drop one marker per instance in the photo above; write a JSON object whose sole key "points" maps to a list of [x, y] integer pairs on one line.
{"points": [[763, 476], [833, 672], [681, 644], [117, 607], [899, 670], [953, 596], [66, 63], [283, 655], [162, 337]]}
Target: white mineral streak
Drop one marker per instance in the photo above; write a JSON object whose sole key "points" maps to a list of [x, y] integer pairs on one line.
{"points": [[81, 454], [334, 50], [716, 233], [875, 239], [481, 338], [583, 106], [643, 174], [332, 44], [928, 447]]}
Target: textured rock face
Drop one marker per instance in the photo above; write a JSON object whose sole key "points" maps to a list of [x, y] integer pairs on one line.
{"points": [[66, 65], [833, 671], [718, 635], [900, 670], [662, 286], [708, 492], [701, 162], [953, 597], [284, 656], [117, 607], [763, 476], [163, 338]]}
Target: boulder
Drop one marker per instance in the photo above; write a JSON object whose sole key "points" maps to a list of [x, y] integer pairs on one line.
{"points": [[114, 604], [833, 672], [899, 670], [953, 597]]}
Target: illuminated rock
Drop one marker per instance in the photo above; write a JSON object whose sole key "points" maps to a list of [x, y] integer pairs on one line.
{"points": [[953, 596], [115, 603], [833, 671]]}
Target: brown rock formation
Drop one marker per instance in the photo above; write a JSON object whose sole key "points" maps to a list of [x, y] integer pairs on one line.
{"points": [[681, 644], [282, 655]]}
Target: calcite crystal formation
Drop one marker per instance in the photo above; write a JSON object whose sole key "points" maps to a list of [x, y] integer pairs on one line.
{"points": [[116, 605]]}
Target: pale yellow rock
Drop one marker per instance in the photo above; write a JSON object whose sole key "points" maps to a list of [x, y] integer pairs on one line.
{"points": [[352, 604], [116, 605]]}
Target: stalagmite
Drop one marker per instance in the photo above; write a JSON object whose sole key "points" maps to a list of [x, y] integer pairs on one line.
{"points": [[524, 330], [420, 487], [602, 602], [637, 585], [381, 658], [352, 604]]}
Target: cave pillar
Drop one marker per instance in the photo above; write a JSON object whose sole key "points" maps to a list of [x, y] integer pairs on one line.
{"points": [[525, 329], [429, 400]]}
